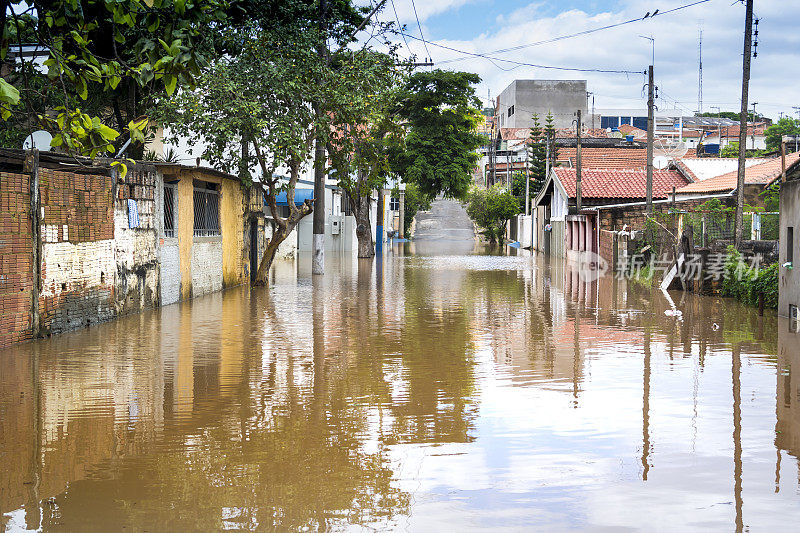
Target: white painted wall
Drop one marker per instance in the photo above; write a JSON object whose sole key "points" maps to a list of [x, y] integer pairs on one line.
{"points": [[206, 265]]}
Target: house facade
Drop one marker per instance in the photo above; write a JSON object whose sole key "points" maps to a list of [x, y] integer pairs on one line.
{"points": [[789, 254], [82, 244], [561, 230]]}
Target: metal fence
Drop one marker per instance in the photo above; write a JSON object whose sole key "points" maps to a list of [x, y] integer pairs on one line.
{"points": [[709, 227], [170, 195], [206, 212]]}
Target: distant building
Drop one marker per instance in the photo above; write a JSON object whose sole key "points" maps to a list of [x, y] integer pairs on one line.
{"points": [[519, 101]]}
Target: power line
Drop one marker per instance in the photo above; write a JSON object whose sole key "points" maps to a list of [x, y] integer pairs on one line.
{"points": [[580, 33], [400, 28], [523, 64], [420, 30]]}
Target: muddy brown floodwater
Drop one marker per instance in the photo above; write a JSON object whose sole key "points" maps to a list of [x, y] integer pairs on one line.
{"points": [[442, 388]]}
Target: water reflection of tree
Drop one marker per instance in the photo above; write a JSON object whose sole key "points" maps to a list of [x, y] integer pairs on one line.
{"points": [[262, 451]]}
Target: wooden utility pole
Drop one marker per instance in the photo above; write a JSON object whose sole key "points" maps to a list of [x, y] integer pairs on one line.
{"points": [[651, 126], [578, 164], [748, 40]]}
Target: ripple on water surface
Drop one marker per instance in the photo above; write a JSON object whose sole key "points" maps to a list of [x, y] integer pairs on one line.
{"points": [[444, 390]]}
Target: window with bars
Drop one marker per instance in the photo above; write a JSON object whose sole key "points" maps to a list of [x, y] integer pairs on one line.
{"points": [[394, 203], [347, 210], [206, 209], [170, 211]]}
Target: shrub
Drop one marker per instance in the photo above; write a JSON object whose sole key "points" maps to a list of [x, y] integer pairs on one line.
{"points": [[745, 285], [491, 210]]}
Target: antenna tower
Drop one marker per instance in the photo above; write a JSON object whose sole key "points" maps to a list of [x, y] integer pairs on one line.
{"points": [[700, 72]]}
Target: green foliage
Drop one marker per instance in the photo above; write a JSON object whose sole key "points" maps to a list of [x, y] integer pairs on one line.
{"points": [[537, 152], [731, 115], [775, 133], [771, 197], [518, 185], [732, 151], [491, 210], [441, 113], [102, 52], [745, 285], [366, 130]]}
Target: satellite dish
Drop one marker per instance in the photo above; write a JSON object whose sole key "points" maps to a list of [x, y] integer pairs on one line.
{"points": [[661, 162], [39, 140]]}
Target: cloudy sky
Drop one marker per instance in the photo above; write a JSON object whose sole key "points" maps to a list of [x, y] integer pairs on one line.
{"points": [[484, 26]]}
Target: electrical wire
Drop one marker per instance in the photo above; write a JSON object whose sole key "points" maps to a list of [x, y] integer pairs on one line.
{"points": [[400, 28], [523, 64], [578, 34], [430, 58]]}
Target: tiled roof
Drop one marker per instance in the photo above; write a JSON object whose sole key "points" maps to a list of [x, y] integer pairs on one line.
{"points": [[761, 174], [627, 129], [519, 134], [692, 133], [610, 184], [684, 169], [733, 131], [570, 133], [607, 158]]}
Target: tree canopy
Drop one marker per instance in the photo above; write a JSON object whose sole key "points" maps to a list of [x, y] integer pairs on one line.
{"points": [[491, 209], [775, 133], [106, 61], [441, 112]]}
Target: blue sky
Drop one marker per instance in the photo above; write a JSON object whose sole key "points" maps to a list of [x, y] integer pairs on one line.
{"points": [[486, 25]]}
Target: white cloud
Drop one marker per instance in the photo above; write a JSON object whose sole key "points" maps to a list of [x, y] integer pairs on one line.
{"points": [[774, 73]]}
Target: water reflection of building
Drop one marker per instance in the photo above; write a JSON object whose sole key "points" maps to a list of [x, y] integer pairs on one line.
{"points": [[787, 430]]}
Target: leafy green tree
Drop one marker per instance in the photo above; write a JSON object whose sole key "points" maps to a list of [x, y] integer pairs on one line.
{"points": [[439, 151], [365, 130], [775, 133], [107, 61], [730, 115], [491, 209], [254, 110]]}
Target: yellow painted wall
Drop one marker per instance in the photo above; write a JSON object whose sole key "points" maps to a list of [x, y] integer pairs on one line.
{"points": [[232, 222], [185, 233]]}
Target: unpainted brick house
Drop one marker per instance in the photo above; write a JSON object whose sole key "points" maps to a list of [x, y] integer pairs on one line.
{"points": [[80, 245]]}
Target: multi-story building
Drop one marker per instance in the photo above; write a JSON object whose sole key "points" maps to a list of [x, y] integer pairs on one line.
{"points": [[518, 102]]}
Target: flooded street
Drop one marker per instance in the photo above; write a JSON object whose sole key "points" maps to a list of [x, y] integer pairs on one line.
{"points": [[443, 387]]}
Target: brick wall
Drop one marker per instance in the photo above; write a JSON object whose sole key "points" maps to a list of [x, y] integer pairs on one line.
{"points": [[606, 247], [77, 267], [16, 259]]}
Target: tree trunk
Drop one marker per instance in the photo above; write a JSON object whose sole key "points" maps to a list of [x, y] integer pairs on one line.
{"points": [[278, 236], [364, 228]]}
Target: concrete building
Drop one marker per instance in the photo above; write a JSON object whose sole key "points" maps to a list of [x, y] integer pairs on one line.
{"points": [[789, 278], [522, 98]]}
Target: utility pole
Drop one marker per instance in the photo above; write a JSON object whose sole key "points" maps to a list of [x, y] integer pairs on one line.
{"points": [[578, 164], [700, 72], [748, 39], [527, 185], [320, 161], [491, 140], [650, 133]]}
